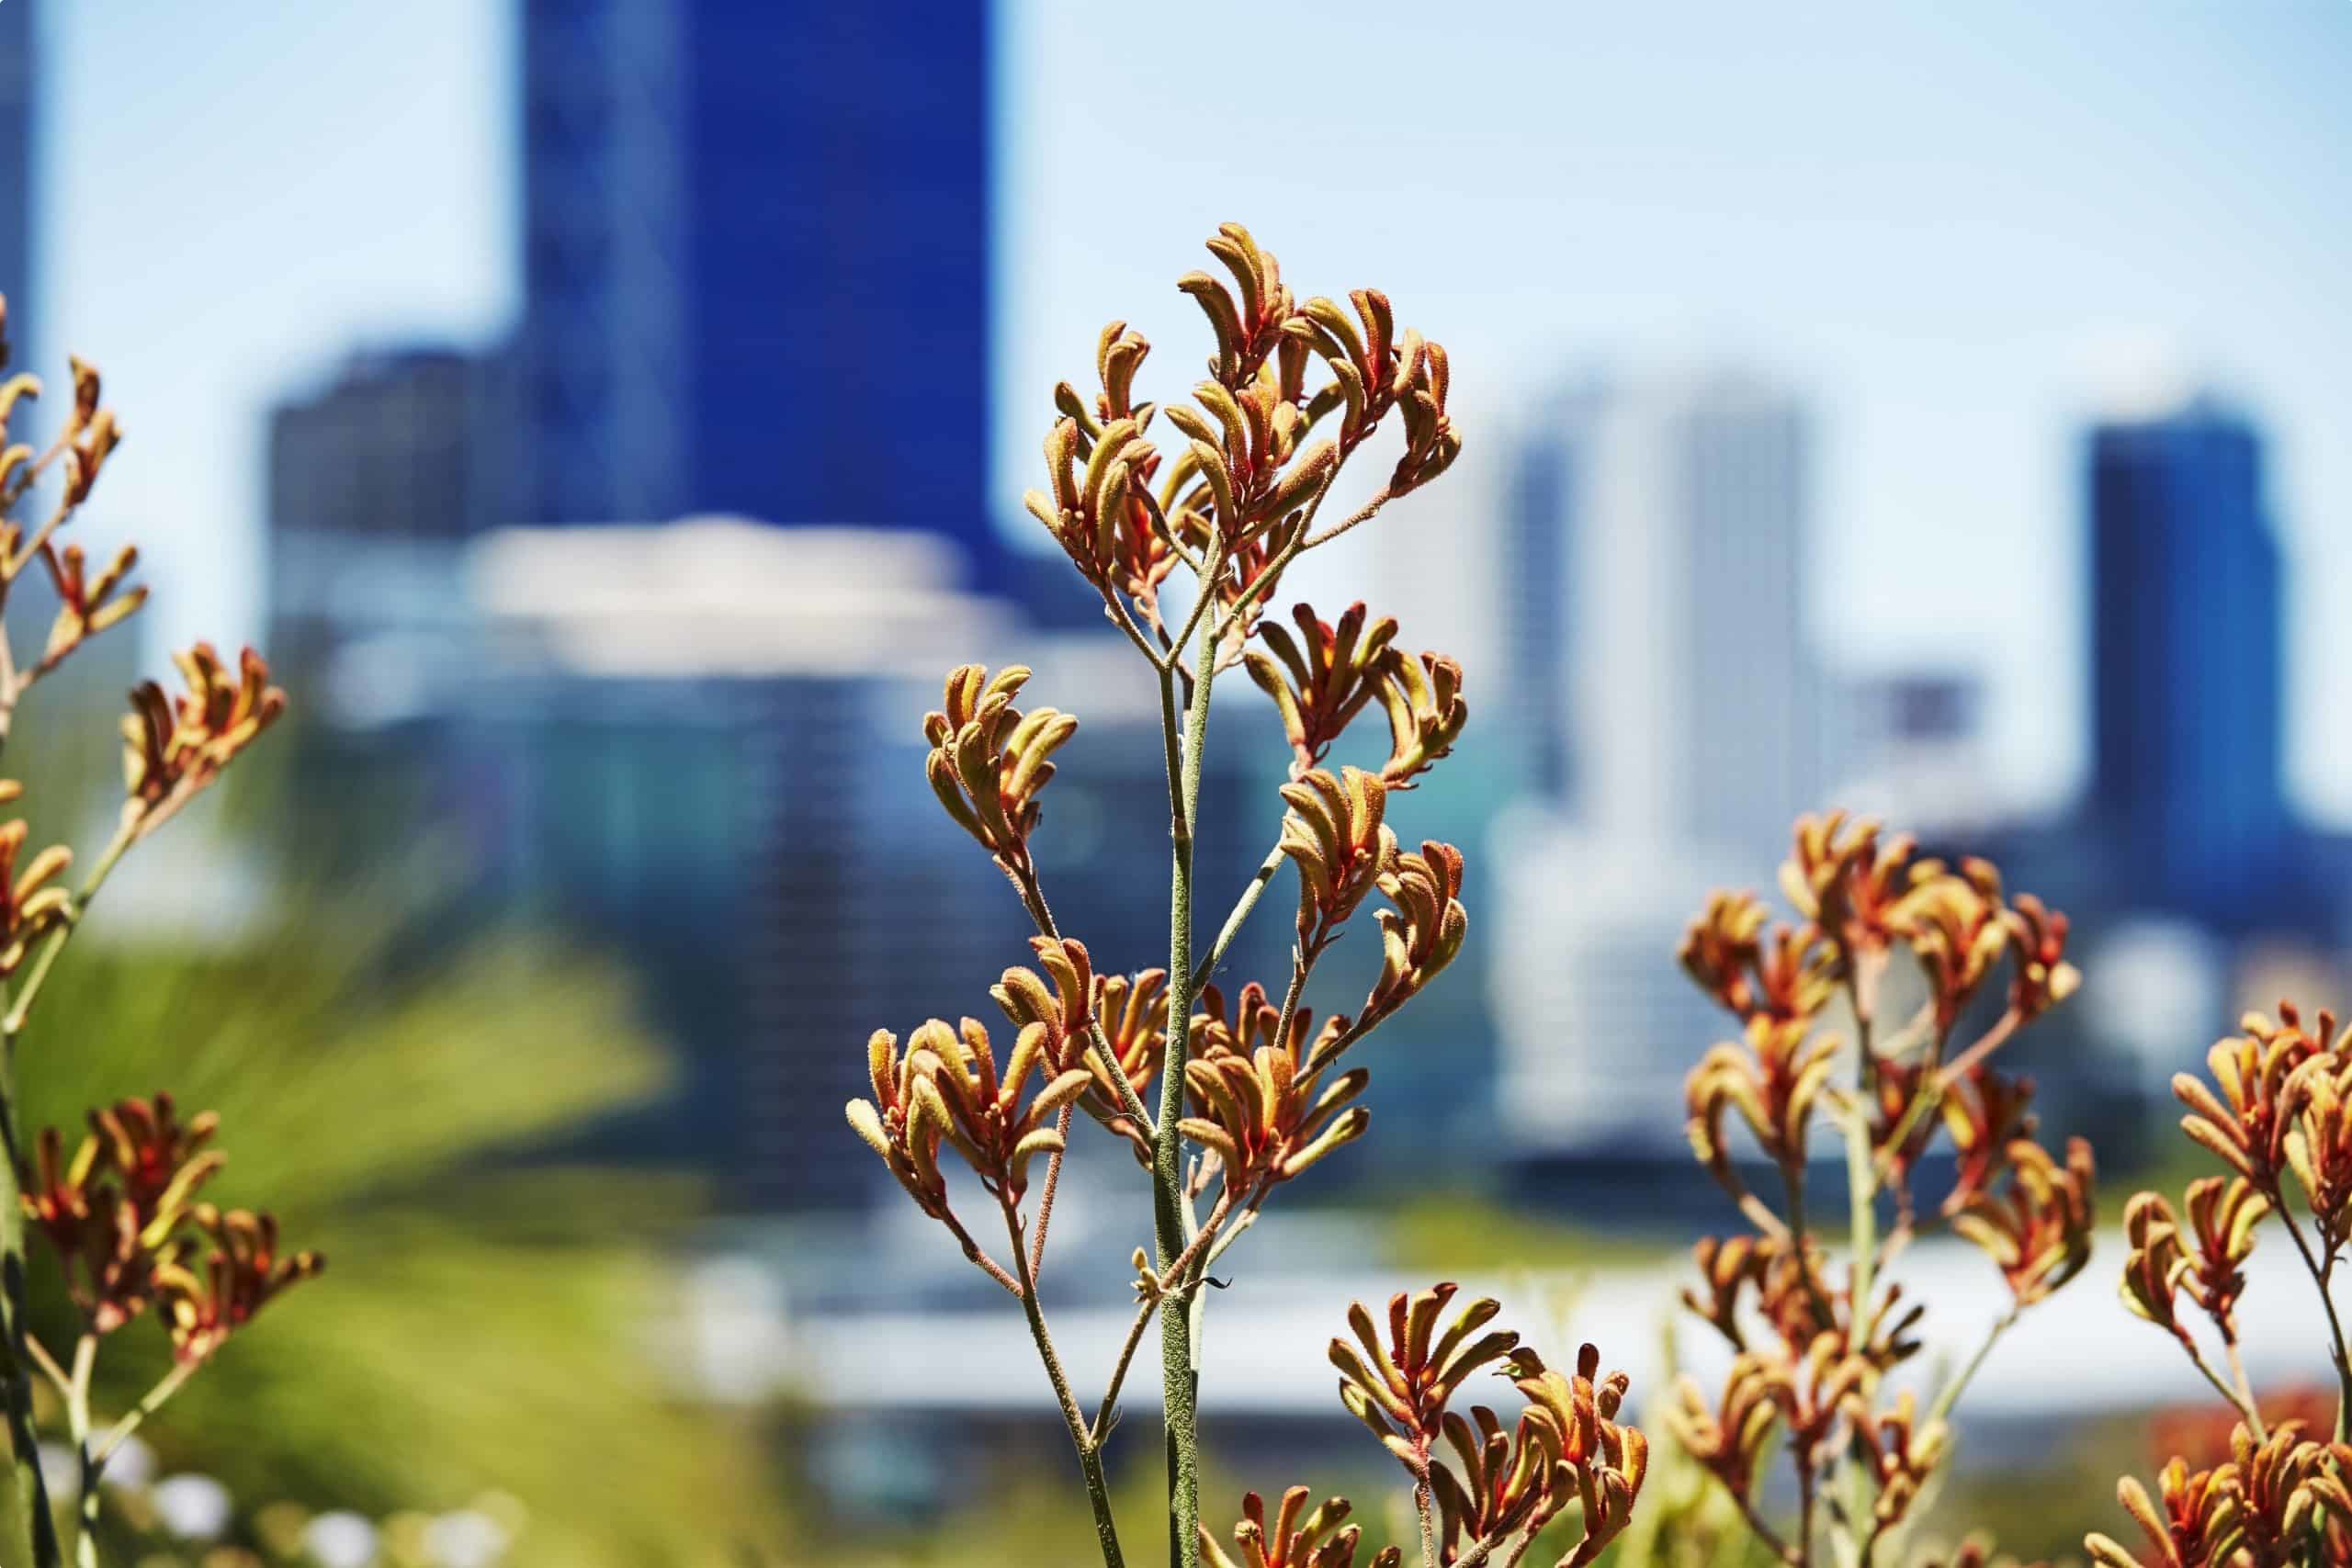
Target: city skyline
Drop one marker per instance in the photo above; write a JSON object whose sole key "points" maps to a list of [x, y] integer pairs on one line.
{"points": [[2169, 177]]}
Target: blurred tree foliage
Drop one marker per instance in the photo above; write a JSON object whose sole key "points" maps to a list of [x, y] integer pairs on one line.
{"points": [[481, 1324], [490, 1317]]}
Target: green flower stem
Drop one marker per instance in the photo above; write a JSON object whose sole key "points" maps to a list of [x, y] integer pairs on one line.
{"points": [[1090, 1453], [1234, 921], [77, 1421], [1862, 1187], [1177, 1280], [46, 959], [2320, 1273], [2243, 1402], [30, 1490], [153, 1400], [1943, 1409], [2244, 1386], [1180, 1374], [1033, 898], [1861, 1192]]}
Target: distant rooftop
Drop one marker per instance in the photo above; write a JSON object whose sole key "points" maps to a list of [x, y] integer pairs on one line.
{"points": [[729, 596]]}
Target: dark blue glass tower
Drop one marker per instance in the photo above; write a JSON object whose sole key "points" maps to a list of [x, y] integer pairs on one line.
{"points": [[757, 258], [16, 87], [2187, 666]]}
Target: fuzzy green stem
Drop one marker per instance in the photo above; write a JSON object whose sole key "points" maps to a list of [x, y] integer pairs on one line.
{"points": [[1861, 1171], [38, 976], [2319, 1274], [77, 1421], [1172, 1282], [2244, 1385], [1180, 1375], [1861, 1185], [1033, 898], [1761, 1527], [1090, 1454], [1803, 1553], [2241, 1403], [1945, 1401], [154, 1399], [1240, 915], [1861, 1195], [32, 1490]]}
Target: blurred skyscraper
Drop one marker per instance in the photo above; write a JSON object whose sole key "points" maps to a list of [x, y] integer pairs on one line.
{"points": [[1656, 599], [2187, 655], [1662, 670], [1914, 740], [697, 745], [374, 480], [17, 85], [756, 262]]}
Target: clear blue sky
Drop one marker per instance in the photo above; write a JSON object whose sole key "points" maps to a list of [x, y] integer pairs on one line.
{"points": [[1945, 224]]}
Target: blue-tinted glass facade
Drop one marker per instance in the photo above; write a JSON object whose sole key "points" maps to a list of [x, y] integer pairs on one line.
{"points": [[16, 83], [756, 262], [2188, 664], [1535, 591]]}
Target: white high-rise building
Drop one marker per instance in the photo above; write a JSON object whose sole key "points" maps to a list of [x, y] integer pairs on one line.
{"points": [[1672, 712], [1658, 553]]}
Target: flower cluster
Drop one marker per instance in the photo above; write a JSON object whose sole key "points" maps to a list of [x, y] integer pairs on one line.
{"points": [[2040, 1231], [2278, 1114], [1101, 510], [173, 750], [32, 905], [2279, 1502], [944, 1089], [82, 446], [1257, 1107], [1812, 1345], [1294, 1538], [1774, 1082], [85, 605], [243, 1270], [1323, 678], [122, 1217], [989, 761], [121, 1213], [1334, 834], [1488, 1489], [1423, 932], [1241, 1097], [2207, 1266], [1100, 1024]]}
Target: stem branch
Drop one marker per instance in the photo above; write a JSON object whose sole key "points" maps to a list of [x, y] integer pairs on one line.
{"points": [[1090, 1456], [77, 1421], [1179, 1373], [2334, 1325]]}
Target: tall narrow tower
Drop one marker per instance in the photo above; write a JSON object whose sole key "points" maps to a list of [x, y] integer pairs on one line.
{"points": [[1657, 536], [17, 87], [756, 258], [1664, 674], [2187, 664]]}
